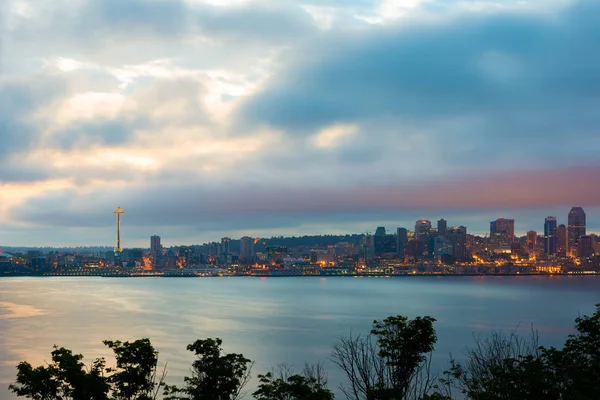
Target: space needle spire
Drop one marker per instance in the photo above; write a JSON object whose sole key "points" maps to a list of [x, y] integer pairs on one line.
{"points": [[118, 212]]}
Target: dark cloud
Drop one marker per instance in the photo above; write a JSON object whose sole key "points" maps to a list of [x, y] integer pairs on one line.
{"points": [[525, 75]]}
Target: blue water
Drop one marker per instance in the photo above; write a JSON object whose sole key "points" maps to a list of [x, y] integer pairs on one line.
{"points": [[273, 320]]}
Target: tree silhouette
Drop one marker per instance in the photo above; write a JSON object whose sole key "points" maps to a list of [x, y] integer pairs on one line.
{"points": [[214, 376]]}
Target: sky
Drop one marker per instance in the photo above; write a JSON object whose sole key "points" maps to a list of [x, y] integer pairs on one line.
{"points": [[212, 118]]}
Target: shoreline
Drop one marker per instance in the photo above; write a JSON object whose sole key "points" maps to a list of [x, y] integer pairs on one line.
{"points": [[160, 275]]}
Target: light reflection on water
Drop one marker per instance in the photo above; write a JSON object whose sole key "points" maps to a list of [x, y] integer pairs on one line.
{"points": [[272, 320]]}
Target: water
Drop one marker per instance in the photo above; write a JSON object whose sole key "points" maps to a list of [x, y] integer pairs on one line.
{"points": [[272, 320]]}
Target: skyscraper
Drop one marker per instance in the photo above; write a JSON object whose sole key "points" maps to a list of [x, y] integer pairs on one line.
{"points": [[502, 231], [247, 253], [226, 245], [457, 237], [562, 241], [550, 236], [586, 246], [422, 230], [155, 246], [531, 240], [576, 227], [442, 225], [401, 241]]}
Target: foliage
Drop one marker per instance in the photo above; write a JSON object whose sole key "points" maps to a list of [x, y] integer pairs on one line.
{"points": [[134, 377], [214, 376], [65, 378], [390, 363], [284, 385], [511, 368]]}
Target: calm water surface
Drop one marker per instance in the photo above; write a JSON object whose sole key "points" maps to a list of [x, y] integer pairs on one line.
{"points": [[272, 320]]}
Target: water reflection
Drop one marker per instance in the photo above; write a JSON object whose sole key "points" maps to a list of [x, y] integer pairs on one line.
{"points": [[272, 320]]}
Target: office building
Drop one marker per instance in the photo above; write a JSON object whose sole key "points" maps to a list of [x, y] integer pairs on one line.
{"points": [[577, 227], [550, 236], [422, 230], [457, 238], [247, 252], [401, 241], [531, 240], [585, 246], [442, 226], [502, 231], [562, 241], [226, 246], [155, 246]]}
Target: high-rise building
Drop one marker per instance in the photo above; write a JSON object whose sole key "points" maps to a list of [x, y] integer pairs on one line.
{"points": [[586, 246], [576, 227], [531, 240], [550, 236], [155, 246], [401, 241], [247, 253], [442, 225], [457, 237], [422, 230], [502, 231], [562, 241], [226, 245]]}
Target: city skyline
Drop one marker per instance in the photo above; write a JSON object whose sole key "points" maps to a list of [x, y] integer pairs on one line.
{"points": [[207, 118], [502, 230]]}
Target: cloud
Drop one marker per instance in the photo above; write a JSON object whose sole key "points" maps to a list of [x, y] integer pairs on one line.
{"points": [[200, 117], [521, 75]]}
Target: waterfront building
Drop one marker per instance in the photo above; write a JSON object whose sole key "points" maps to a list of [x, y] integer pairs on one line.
{"points": [[550, 236]]}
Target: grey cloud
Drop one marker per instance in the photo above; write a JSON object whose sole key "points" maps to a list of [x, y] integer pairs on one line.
{"points": [[19, 99], [525, 74]]}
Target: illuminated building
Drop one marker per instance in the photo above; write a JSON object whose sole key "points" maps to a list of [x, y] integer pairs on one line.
{"points": [[550, 236], [422, 230], [576, 227], [502, 231], [247, 253], [562, 241], [422, 235]]}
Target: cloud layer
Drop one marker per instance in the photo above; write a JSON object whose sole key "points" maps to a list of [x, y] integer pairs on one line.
{"points": [[205, 118]]}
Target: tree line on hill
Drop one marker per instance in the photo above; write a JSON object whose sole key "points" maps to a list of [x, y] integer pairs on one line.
{"points": [[392, 362]]}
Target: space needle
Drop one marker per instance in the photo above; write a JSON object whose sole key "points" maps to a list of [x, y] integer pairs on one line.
{"points": [[118, 212]]}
